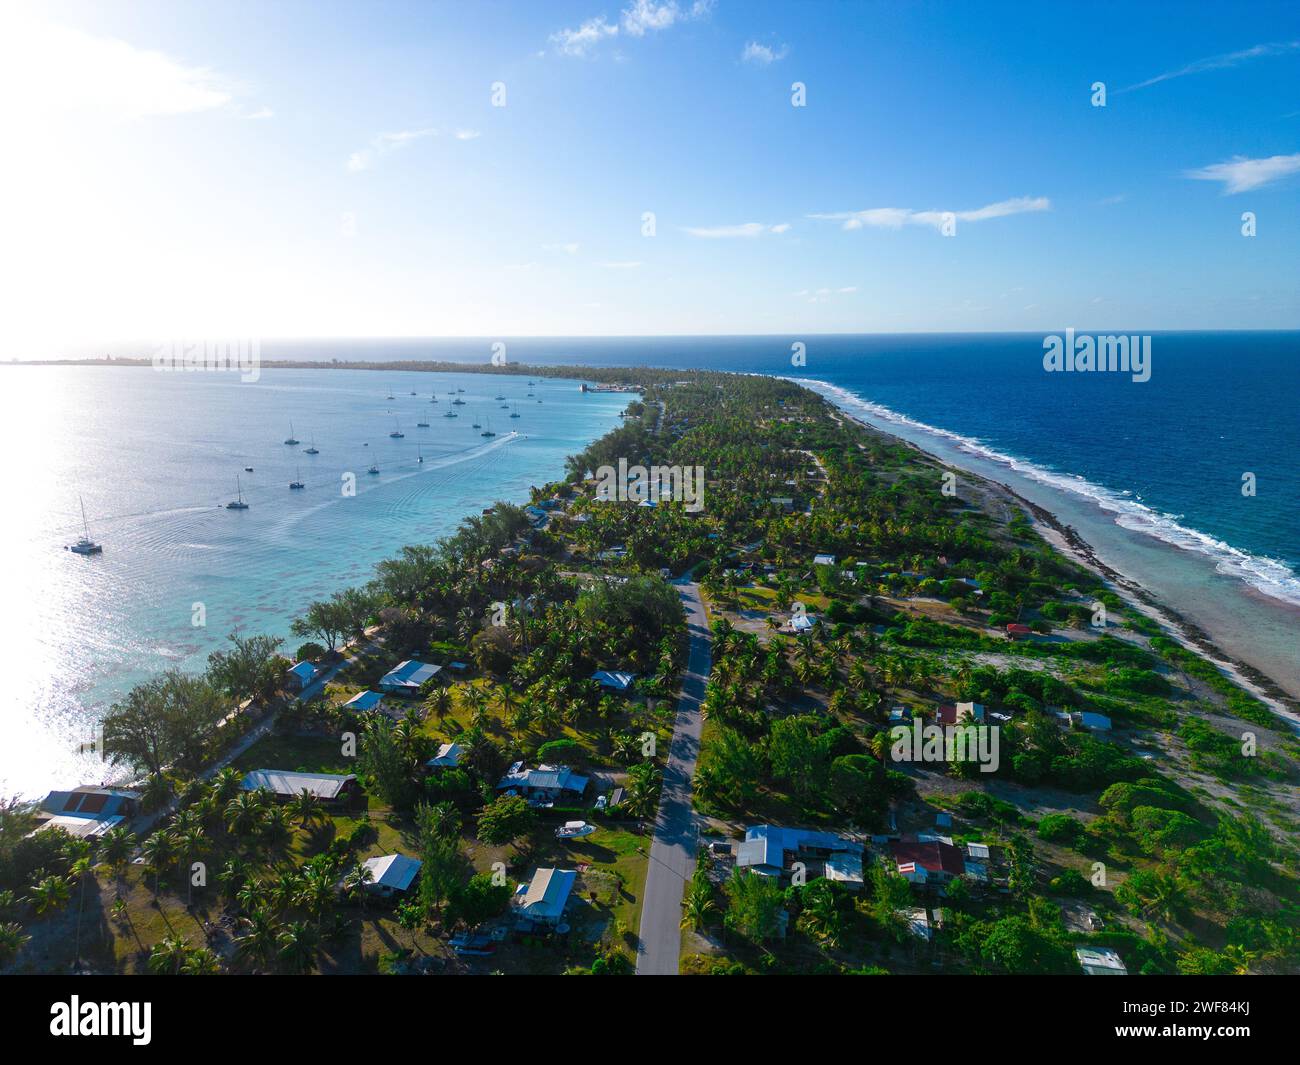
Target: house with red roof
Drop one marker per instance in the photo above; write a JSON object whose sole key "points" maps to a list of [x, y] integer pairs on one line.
{"points": [[932, 862], [1016, 631]]}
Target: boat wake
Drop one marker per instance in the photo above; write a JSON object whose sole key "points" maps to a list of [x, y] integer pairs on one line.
{"points": [[1267, 575]]}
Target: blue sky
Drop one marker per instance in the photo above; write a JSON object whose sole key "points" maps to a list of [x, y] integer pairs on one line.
{"points": [[330, 169]]}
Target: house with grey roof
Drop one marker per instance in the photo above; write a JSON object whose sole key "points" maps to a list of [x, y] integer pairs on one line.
{"points": [[771, 850], [543, 785]]}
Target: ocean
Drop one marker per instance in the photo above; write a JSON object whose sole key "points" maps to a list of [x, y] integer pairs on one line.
{"points": [[156, 456], [1150, 473]]}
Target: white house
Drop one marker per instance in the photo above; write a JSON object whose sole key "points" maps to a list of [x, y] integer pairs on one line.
{"points": [[391, 874], [363, 701], [406, 677], [619, 682], [823, 560], [300, 675], [287, 784], [448, 757], [544, 898], [1100, 961]]}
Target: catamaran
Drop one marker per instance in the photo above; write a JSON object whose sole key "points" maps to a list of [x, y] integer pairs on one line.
{"points": [[488, 431], [85, 546], [292, 439], [500, 397], [397, 433], [458, 402], [451, 414], [239, 503], [422, 425], [312, 450], [297, 481], [514, 413]]}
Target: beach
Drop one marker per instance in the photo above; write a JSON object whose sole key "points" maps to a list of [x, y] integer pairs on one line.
{"points": [[1253, 636]]}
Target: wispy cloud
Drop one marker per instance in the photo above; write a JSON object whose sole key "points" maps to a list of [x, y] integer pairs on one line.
{"points": [[825, 295], [468, 134], [1220, 62], [898, 217], [763, 54], [744, 229], [260, 113], [630, 264], [638, 19], [385, 144], [1241, 174], [569, 248]]}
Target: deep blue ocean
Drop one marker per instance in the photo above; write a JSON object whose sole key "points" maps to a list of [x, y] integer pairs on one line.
{"points": [[1167, 456]]}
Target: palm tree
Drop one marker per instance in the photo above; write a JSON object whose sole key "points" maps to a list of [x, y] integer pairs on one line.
{"points": [[115, 847], [80, 868], [12, 938], [297, 945], [261, 942], [354, 884], [168, 955], [201, 961], [159, 852], [305, 806], [243, 814], [438, 702]]}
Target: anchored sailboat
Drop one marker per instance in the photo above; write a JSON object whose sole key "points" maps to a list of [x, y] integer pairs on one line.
{"points": [[292, 439], [85, 546], [239, 503]]}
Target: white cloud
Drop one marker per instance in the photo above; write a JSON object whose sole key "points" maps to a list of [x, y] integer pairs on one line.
{"points": [[744, 229], [631, 264], [581, 41], [384, 144], [763, 54], [53, 69], [1241, 174], [568, 249], [468, 134], [897, 217], [1220, 62], [639, 18], [261, 113]]}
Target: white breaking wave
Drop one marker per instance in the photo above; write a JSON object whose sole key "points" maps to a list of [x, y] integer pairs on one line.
{"points": [[1267, 575]]}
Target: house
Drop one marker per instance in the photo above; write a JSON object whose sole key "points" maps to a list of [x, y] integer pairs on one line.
{"points": [[1016, 631], [407, 677], [823, 560], [363, 701], [287, 784], [543, 785], [962, 713], [543, 899], [899, 714], [619, 682], [1094, 722], [1100, 961], [927, 861], [300, 675], [448, 757], [87, 811], [770, 850], [391, 874], [784, 502], [802, 623]]}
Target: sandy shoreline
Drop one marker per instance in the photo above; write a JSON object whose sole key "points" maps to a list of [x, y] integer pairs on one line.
{"points": [[1066, 539]]}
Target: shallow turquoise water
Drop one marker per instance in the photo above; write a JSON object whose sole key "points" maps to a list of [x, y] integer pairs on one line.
{"points": [[156, 457]]}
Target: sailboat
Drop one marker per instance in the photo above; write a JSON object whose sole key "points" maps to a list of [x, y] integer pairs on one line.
{"points": [[374, 470], [397, 433], [433, 397], [312, 450], [488, 431], [297, 481], [419, 455], [85, 546], [458, 402], [390, 393], [476, 423], [239, 504], [292, 439], [500, 397], [514, 413], [451, 414], [422, 425]]}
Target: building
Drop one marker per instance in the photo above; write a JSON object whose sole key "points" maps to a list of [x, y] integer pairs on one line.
{"points": [[406, 678], [823, 560], [363, 701], [1100, 961], [619, 682], [287, 784], [300, 676], [544, 785], [391, 874], [543, 899], [448, 757], [88, 811], [961, 714], [1094, 722], [927, 862], [1016, 631], [770, 850], [802, 623]]}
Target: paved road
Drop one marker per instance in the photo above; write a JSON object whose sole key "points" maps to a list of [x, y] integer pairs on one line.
{"points": [[672, 854]]}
